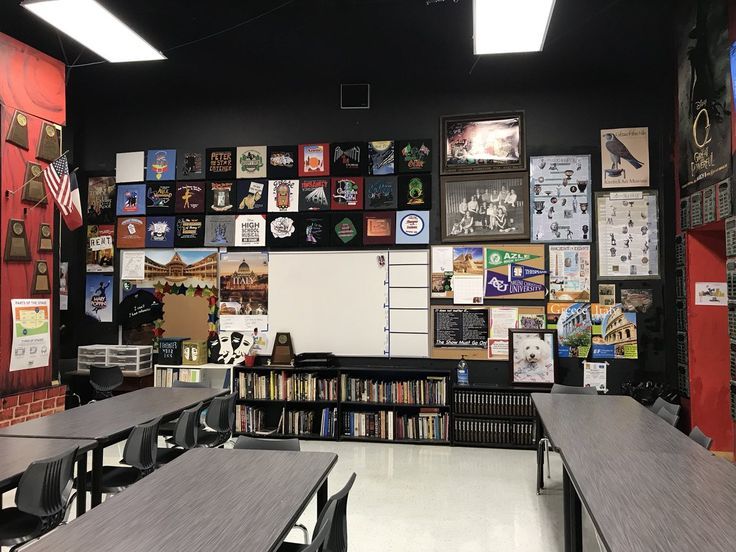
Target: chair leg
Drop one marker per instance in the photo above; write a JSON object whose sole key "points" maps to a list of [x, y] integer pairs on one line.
{"points": [[546, 450], [540, 466], [303, 530]]}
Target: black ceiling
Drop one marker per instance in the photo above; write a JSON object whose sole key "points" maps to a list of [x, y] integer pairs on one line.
{"points": [[366, 40]]}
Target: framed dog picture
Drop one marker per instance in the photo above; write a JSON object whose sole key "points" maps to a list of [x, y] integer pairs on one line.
{"points": [[532, 356], [485, 207], [484, 142]]}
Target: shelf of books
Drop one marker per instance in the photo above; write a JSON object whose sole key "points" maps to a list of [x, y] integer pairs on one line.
{"points": [[486, 416], [214, 375]]}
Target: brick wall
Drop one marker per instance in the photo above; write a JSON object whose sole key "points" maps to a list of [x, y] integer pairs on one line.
{"points": [[15, 409]]}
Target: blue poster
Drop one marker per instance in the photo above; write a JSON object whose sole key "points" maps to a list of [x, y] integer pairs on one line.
{"points": [[161, 165], [131, 199], [412, 226], [99, 297], [160, 231]]}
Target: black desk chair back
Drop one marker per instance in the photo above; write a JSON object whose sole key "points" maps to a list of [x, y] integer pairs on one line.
{"points": [[660, 403], [167, 428], [42, 498], [104, 380], [250, 443], [221, 421], [701, 438], [185, 435], [668, 416], [319, 543]]}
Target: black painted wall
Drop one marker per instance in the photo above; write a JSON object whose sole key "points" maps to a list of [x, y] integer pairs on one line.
{"points": [[566, 100]]}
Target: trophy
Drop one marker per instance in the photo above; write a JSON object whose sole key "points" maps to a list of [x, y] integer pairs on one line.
{"points": [[33, 188], [49, 144], [283, 351], [41, 283], [45, 241], [16, 244], [18, 131]]}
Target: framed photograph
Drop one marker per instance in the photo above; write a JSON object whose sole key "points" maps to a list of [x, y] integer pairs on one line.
{"points": [[484, 142], [532, 356], [628, 235], [485, 207]]}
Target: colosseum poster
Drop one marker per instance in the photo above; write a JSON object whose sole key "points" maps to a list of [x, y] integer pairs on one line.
{"points": [[618, 338]]}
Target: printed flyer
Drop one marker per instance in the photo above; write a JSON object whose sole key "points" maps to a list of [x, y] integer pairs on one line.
{"points": [[31, 334], [618, 335]]}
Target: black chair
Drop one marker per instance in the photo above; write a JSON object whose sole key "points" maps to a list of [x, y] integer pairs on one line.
{"points": [[184, 438], [544, 444], [668, 416], [701, 438], [220, 422], [104, 380], [250, 443], [139, 455], [320, 541], [42, 498], [167, 428]]}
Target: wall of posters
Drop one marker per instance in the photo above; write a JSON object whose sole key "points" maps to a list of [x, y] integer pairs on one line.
{"points": [[618, 337], [560, 198], [99, 297], [628, 235], [625, 157], [31, 333], [515, 271], [100, 248], [704, 94], [569, 273], [244, 291]]}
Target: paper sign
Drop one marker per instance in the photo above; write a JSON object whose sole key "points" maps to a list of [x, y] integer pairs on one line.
{"points": [[31, 337], [132, 265], [594, 375], [711, 294]]}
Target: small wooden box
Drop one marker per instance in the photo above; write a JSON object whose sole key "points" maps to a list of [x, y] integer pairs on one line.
{"points": [[194, 353]]}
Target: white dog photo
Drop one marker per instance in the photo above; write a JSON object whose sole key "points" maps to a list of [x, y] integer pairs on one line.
{"points": [[533, 358]]}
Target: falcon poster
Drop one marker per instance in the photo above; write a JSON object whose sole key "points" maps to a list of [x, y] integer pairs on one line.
{"points": [[704, 93], [625, 157]]}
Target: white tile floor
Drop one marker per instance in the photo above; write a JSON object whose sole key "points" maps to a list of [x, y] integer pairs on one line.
{"points": [[432, 499]]}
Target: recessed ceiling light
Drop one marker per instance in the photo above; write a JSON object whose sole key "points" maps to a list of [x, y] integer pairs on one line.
{"points": [[509, 26], [90, 24]]}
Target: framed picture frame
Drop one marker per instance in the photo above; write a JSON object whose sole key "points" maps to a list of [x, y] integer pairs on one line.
{"points": [[485, 207], [532, 357], [627, 226], [483, 142]]}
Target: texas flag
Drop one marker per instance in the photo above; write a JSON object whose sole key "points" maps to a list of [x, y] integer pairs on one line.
{"points": [[64, 189]]}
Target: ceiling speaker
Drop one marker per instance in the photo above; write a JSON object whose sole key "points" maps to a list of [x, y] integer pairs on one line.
{"points": [[355, 96]]}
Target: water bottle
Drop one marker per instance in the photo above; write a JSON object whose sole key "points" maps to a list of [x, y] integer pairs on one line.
{"points": [[462, 371]]}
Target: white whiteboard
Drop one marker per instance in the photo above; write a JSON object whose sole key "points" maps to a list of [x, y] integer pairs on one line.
{"points": [[332, 301]]}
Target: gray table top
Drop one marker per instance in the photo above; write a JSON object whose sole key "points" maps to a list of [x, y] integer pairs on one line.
{"points": [[207, 499], [111, 417], [646, 485], [17, 453]]}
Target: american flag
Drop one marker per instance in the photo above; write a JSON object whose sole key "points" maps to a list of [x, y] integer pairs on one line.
{"points": [[64, 189]]}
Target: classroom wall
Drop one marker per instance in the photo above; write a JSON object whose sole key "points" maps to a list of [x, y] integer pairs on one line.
{"points": [[123, 109]]}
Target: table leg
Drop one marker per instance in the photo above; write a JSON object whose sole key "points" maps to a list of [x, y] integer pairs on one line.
{"points": [[540, 468], [573, 515], [97, 454], [322, 497], [82, 484]]}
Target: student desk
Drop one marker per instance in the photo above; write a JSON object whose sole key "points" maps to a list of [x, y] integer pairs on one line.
{"points": [[646, 485], [207, 499], [110, 421]]}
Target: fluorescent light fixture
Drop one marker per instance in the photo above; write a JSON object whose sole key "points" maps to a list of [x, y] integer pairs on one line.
{"points": [[90, 24], [509, 26]]}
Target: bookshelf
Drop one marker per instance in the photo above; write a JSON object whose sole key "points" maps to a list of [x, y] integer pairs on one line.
{"points": [[211, 374], [495, 416]]}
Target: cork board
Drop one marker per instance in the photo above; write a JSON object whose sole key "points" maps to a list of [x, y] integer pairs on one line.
{"points": [[186, 317]]}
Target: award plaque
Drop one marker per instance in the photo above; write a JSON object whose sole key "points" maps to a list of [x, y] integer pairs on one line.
{"points": [[41, 282], [49, 144], [33, 188], [18, 131], [283, 351], [16, 242], [45, 240]]}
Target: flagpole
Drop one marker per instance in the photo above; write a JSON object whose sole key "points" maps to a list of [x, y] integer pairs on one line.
{"points": [[8, 193]]}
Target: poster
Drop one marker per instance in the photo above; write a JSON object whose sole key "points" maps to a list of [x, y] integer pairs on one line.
{"points": [[131, 199], [314, 194], [161, 165], [607, 294], [502, 320], [628, 235], [31, 333], [132, 265], [467, 267], [442, 272], [250, 231], [412, 227], [314, 159], [637, 300], [101, 200], [618, 338], [283, 196], [569, 273], [99, 297], [64, 285], [100, 248], [463, 328], [560, 198], [574, 328], [711, 294], [704, 93], [594, 375], [251, 162], [244, 290], [625, 157], [515, 272], [381, 157]]}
